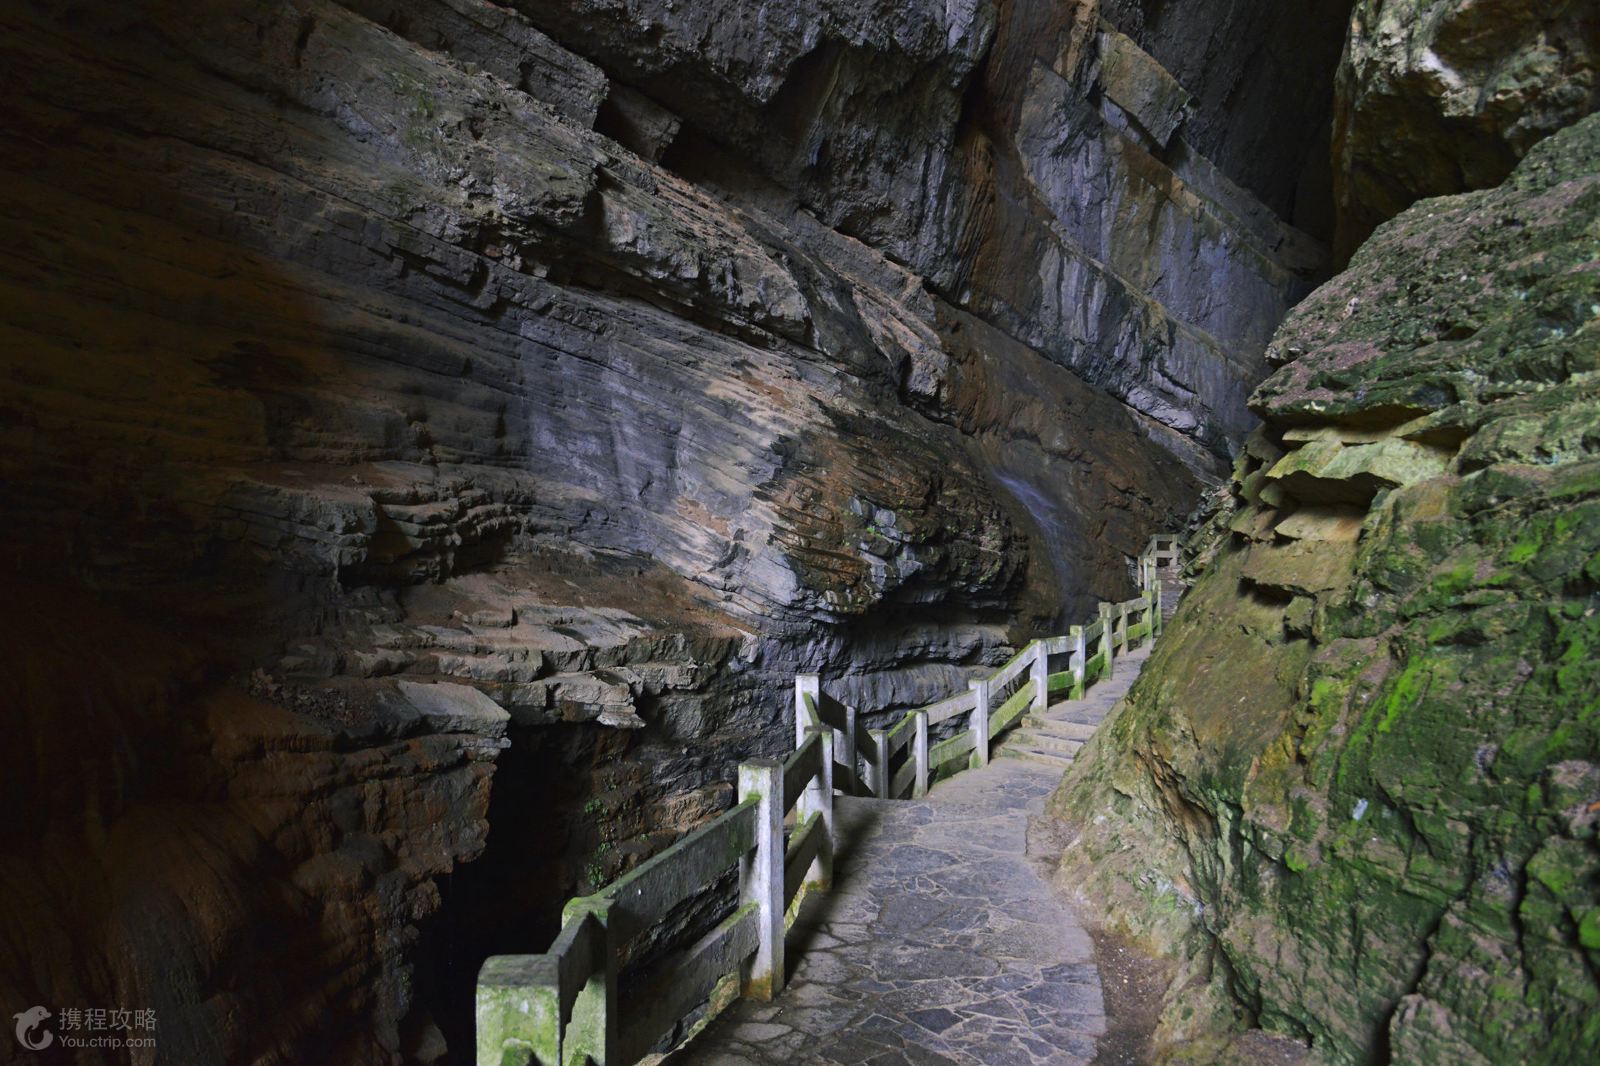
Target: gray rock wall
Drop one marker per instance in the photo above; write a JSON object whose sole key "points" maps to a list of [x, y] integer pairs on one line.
{"points": [[614, 360]]}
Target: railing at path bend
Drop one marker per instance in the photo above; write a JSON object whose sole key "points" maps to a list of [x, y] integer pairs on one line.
{"points": [[568, 1006]]}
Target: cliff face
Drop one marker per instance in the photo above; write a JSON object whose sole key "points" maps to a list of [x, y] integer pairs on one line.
{"points": [[435, 431], [1358, 778]]}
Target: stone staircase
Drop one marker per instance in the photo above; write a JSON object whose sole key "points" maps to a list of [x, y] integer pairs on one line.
{"points": [[1054, 737], [1172, 589], [1047, 739]]}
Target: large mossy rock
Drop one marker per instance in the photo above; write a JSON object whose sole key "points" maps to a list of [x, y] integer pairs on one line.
{"points": [[1358, 783]]}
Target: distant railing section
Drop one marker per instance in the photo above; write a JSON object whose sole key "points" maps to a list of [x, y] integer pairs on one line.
{"points": [[567, 1007], [900, 762]]}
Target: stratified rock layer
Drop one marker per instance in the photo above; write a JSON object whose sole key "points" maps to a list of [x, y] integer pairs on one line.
{"points": [[1360, 776], [393, 381], [437, 430]]}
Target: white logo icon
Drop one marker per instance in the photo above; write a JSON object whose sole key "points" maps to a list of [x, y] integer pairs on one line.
{"points": [[27, 1022]]}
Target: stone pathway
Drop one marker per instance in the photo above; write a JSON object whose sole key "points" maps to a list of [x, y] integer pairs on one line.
{"points": [[941, 942], [1172, 590], [1056, 736]]}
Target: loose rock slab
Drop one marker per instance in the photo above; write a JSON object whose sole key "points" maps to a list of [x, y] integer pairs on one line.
{"points": [[939, 943]]}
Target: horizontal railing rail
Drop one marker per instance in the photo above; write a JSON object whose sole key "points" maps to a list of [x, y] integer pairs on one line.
{"points": [[993, 705], [566, 1008]]}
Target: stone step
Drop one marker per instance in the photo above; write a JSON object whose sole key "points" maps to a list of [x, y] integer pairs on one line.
{"points": [[1081, 713], [1060, 728], [1047, 742], [1013, 750], [1172, 590]]}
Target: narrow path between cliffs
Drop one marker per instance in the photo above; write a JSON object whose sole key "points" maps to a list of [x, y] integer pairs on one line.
{"points": [[942, 940]]}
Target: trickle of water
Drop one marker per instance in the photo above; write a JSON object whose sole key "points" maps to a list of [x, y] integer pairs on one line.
{"points": [[1052, 521]]}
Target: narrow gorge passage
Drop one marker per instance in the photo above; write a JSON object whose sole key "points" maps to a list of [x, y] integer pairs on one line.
{"points": [[436, 436], [942, 940]]}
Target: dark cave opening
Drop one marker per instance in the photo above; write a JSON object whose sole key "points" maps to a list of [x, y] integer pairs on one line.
{"points": [[508, 900]]}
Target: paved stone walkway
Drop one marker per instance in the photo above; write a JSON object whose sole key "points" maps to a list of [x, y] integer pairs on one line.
{"points": [[941, 942]]}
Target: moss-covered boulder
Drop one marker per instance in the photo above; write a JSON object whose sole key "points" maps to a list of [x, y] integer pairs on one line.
{"points": [[1358, 785]]}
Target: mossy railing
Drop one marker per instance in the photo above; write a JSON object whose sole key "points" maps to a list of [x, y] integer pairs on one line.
{"points": [[569, 1005], [580, 1003], [900, 762]]}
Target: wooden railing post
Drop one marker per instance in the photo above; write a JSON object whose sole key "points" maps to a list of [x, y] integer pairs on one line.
{"points": [[980, 723], [880, 754], [1155, 609], [1122, 628], [1080, 659], [1041, 676], [1107, 636], [805, 685], [761, 877], [519, 1009], [919, 752], [593, 1033], [848, 756], [818, 799]]}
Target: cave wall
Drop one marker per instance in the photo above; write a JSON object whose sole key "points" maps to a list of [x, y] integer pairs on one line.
{"points": [[1356, 785], [392, 382], [1261, 75], [998, 152]]}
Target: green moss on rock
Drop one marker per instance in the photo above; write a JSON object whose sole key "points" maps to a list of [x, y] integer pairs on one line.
{"points": [[1370, 767]]}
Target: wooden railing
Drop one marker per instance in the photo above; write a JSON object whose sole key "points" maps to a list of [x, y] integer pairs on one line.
{"points": [[581, 1002], [902, 761], [567, 1005], [1161, 551]]}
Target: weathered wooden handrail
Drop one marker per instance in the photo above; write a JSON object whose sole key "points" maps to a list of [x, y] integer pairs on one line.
{"points": [[678, 989], [648, 891], [842, 717], [563, 1008], [950, 706], [1013, 669], [800, 768], [1025, 682]]}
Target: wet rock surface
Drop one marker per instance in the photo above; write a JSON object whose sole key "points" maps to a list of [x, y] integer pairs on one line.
{"points": [[1357, 780]]}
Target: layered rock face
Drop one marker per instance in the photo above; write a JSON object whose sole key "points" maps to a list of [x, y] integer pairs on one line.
{"points": [[1359, 779], [1052, 190], [1092, 228], [435, 431], [1260, 78]]}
